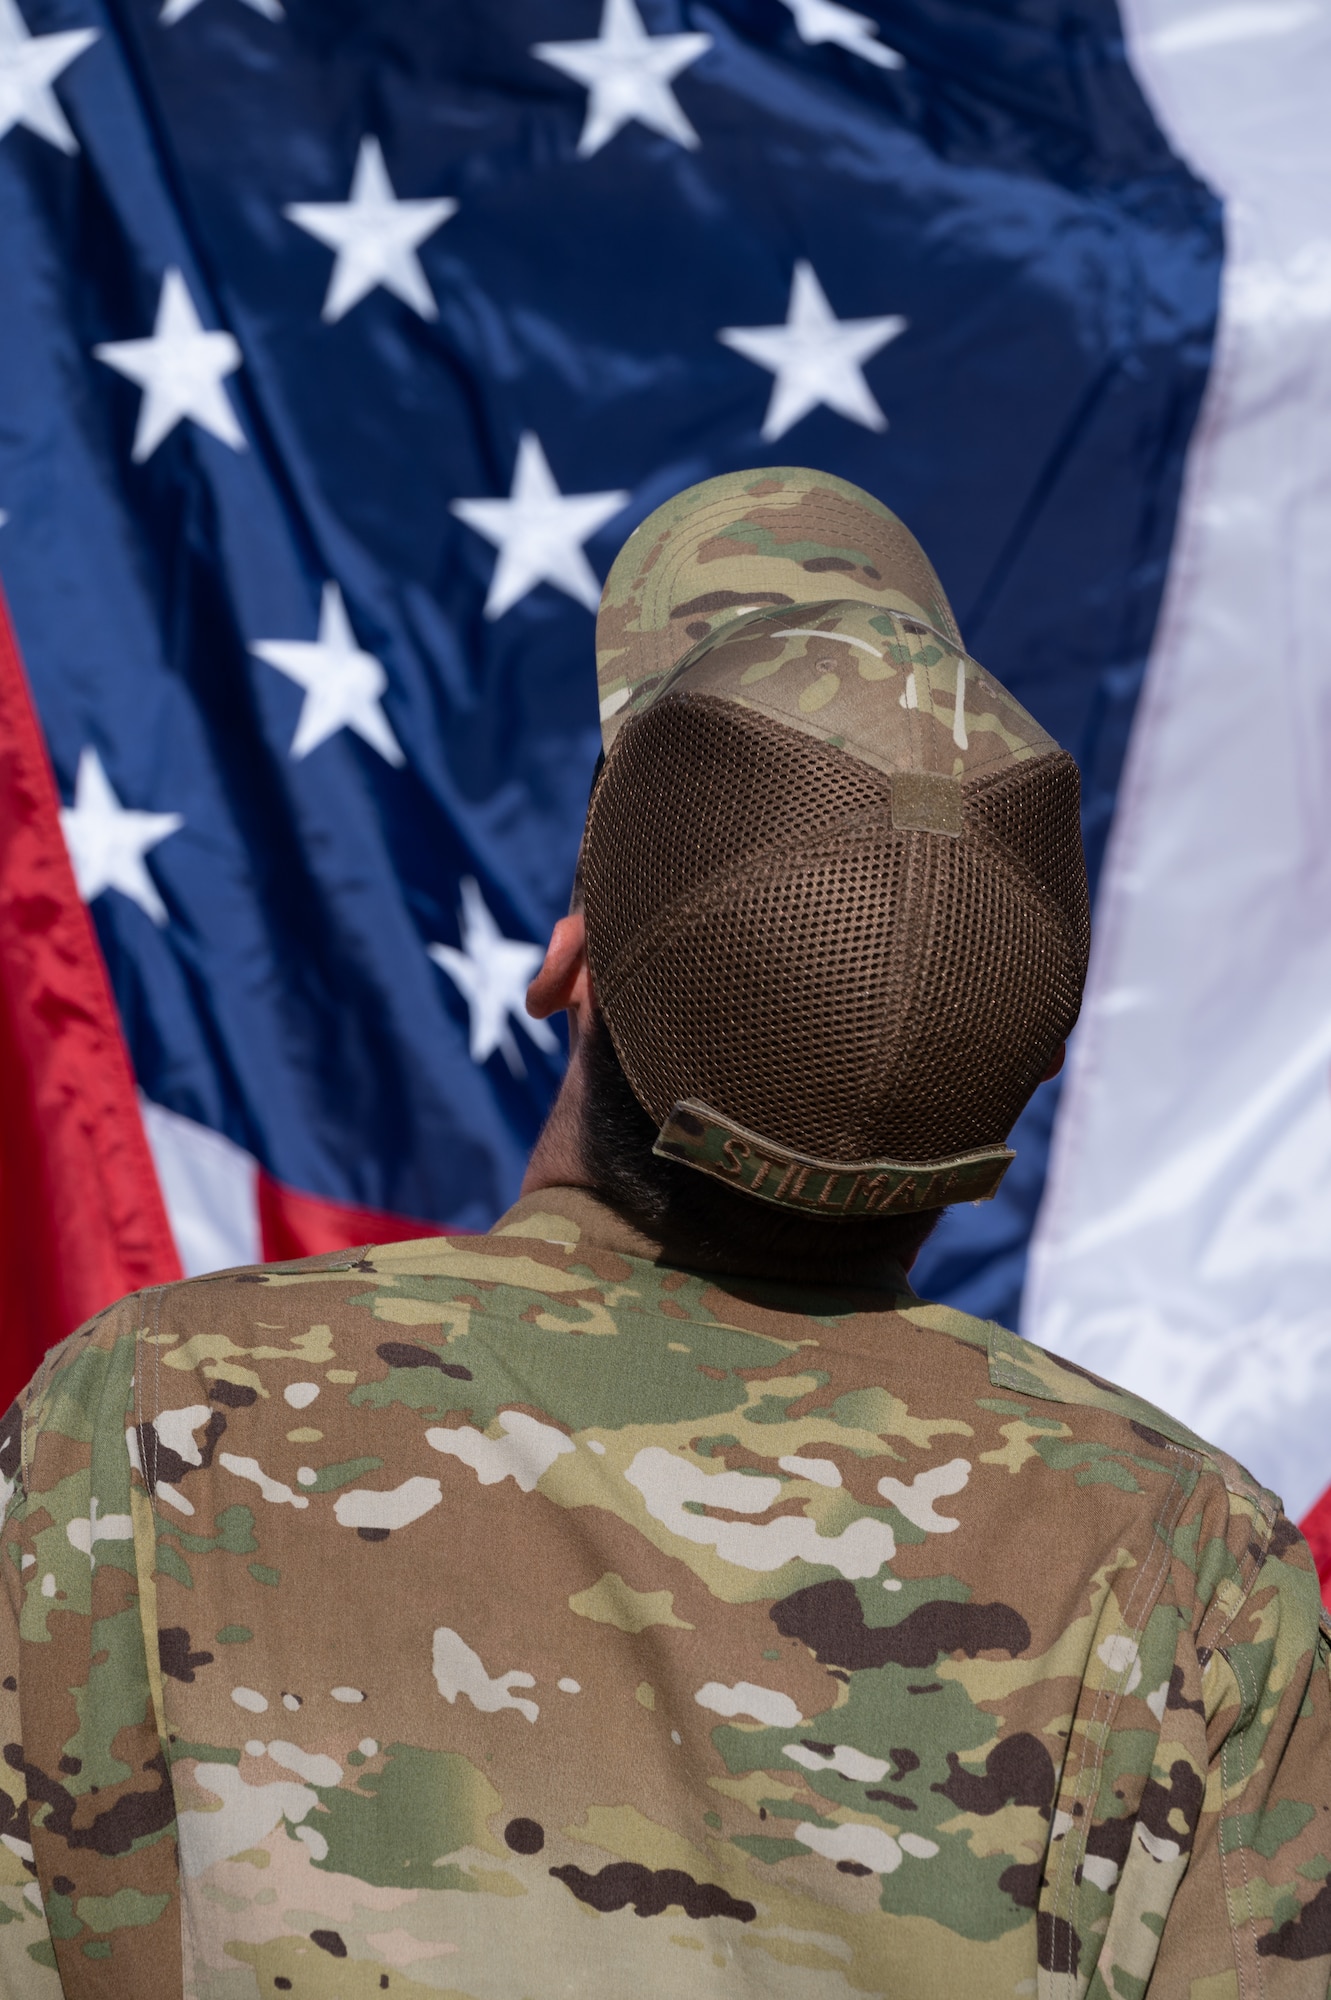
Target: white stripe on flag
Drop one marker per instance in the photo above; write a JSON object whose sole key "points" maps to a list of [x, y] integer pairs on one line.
{"points": [[1185, 1243], [211, 1190]]}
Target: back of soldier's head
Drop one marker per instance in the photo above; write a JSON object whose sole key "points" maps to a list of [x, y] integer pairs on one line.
{"points": [[835, 897]]}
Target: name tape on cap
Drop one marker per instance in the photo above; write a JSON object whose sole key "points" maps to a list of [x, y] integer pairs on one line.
{"points": [[700, 1137]]}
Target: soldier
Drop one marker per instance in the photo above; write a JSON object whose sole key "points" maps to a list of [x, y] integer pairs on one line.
{"points": [[655, 1597]]}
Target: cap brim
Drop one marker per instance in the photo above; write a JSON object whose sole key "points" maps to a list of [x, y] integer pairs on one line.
{"points": [[781, 535]]}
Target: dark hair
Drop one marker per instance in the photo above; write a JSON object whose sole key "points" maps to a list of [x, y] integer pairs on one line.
{"points": [[681, 1204]]}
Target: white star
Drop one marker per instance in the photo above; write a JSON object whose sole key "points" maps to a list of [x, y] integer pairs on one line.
{"points": [[492, 973], [29, 65], [107, 841], [176, 10], [539, 532], [376, 237], [827, 21], [342, 684], [628, 74], [180, 370], [815, 357]]}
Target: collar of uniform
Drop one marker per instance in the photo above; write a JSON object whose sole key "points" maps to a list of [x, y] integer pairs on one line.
{"points": [[578, 1220]]}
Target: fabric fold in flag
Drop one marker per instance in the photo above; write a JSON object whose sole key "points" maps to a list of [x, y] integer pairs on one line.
{"points": [[81, 1216]]}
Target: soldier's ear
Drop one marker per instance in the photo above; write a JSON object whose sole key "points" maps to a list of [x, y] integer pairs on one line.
{"points": [[563, 981], [1054, 1067]]}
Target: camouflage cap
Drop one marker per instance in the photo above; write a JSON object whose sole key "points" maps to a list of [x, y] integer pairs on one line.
{"points": [[835, 896], [776, 537]]}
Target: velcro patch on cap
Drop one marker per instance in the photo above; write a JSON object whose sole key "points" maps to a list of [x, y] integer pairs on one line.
{"points": [[699, 1137], [927, 802]]}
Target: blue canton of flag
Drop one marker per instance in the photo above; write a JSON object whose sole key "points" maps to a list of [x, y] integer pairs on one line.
{"points": [[343, 344]]}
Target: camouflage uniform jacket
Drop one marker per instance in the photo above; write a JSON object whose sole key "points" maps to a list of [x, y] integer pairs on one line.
{"points": [[533, 1615]]}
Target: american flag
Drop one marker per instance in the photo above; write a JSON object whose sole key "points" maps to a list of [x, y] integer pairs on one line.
{"points": [[341, 345]]}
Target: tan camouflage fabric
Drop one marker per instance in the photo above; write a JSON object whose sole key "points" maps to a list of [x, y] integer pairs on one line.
{"points": [[778, 537], [533, 1615], [888, 690]]}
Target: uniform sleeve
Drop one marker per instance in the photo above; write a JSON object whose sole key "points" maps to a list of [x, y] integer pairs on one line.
{"points": [[27, 1956], [90, 1880], [1252, 1916]]}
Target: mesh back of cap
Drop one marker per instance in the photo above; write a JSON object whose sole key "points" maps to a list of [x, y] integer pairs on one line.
{"points": [[763, 938]]}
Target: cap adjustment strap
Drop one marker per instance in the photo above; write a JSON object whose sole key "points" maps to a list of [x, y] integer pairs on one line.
{"points": [[699, 1137]]}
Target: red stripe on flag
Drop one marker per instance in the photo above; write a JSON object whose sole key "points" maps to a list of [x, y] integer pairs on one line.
{"points": [[1316, 1525], [81, 1214], [304, 1225]]}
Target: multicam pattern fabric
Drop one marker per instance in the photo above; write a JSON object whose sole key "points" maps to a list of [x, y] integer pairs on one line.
{"points": [[531, 1615], [887, 689], [777, 537]]}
